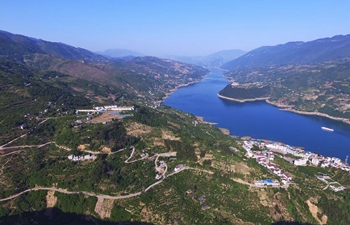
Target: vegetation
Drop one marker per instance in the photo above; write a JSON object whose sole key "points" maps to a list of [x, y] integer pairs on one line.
{"points": [[130, 174], [245, 92], [312, 52], [318, 88]]}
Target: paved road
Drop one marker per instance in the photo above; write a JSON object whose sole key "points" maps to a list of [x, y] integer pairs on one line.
{"points": [[131, 155], [71, 192], [3, 146], [22, 136], [87, 193], [10, 153], [3, 166], [109, 196], [91, 193], [22, 146], [168, 154]]}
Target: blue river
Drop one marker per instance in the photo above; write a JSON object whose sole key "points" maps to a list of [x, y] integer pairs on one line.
{"points": [[261, 120]]}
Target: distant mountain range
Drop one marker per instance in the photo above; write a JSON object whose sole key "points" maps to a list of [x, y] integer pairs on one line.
{"points": [[316, 51], [311, 77], [216, 59], [118, 53], [149, 77]]}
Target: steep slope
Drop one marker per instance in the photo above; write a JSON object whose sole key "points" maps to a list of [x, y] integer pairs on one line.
{"points": [[147, 78], [15, 46], [316, 51]]}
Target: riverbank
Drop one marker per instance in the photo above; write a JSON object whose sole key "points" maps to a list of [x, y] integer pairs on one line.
{"points": [[243, 100], [286, 108], [260, 120], [171, 91], [201, 120]]}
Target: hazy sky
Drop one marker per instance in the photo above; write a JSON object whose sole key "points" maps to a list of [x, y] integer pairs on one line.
{"points": [[175, 27]]}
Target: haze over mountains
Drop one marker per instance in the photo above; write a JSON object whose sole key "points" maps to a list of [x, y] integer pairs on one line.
{"points": [[316, 51], [117, 53], [204, 176], [216, 59], [138, 76]]}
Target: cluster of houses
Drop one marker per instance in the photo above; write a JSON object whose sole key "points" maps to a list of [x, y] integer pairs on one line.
{"points": [[267, 182], [263, 158], [298, 157], [76, 158], [302, 158]]}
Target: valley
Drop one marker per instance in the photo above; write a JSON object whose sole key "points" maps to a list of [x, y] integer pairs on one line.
{"points": [[88, 139]]}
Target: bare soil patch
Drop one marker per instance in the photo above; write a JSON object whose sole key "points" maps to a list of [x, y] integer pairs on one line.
{"points": [[137, 129], [105, 117], [314, 210], [241, 168], [166, 134], [51, 201], [104, 207], [106, 150], [224, 131]]}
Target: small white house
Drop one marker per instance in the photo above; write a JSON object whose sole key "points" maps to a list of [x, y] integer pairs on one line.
{"points": [[300, 162], [315, 161]]}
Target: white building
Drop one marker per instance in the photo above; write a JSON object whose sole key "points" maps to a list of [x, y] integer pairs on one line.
{"points": [[281, 148], [300, 162], [179, 167], [81, 158], [315, 161]]}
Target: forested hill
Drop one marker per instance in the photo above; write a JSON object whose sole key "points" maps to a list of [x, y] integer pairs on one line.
{"points": [[334, 48], [147, 78], [15, 47], [309, 77]]}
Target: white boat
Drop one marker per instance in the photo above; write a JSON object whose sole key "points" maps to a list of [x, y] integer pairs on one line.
{"points": [[327, 129]]}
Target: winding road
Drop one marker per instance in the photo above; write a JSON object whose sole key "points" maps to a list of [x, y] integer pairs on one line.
{"points": [[64, 191]]}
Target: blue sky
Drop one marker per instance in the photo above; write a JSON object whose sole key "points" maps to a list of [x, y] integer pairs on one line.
{"points": [[176, 27]]}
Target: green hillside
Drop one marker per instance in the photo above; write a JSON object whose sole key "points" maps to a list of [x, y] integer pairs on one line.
{"points": [[319, 88], [295, 53], [146, 164]]}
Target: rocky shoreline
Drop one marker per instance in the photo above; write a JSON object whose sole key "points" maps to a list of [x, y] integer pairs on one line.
{"points": [[243, 100], [287, 108]]}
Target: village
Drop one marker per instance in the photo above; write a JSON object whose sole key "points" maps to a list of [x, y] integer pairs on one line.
{"points": [[264, 152]]}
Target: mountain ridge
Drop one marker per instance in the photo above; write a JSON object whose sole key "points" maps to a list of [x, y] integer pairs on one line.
{"points": [[119, 53], [15, 46], [316, 51], [215, 59]]}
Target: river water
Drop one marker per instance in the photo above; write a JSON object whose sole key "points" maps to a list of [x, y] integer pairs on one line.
{"points": [[261, 120]]}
